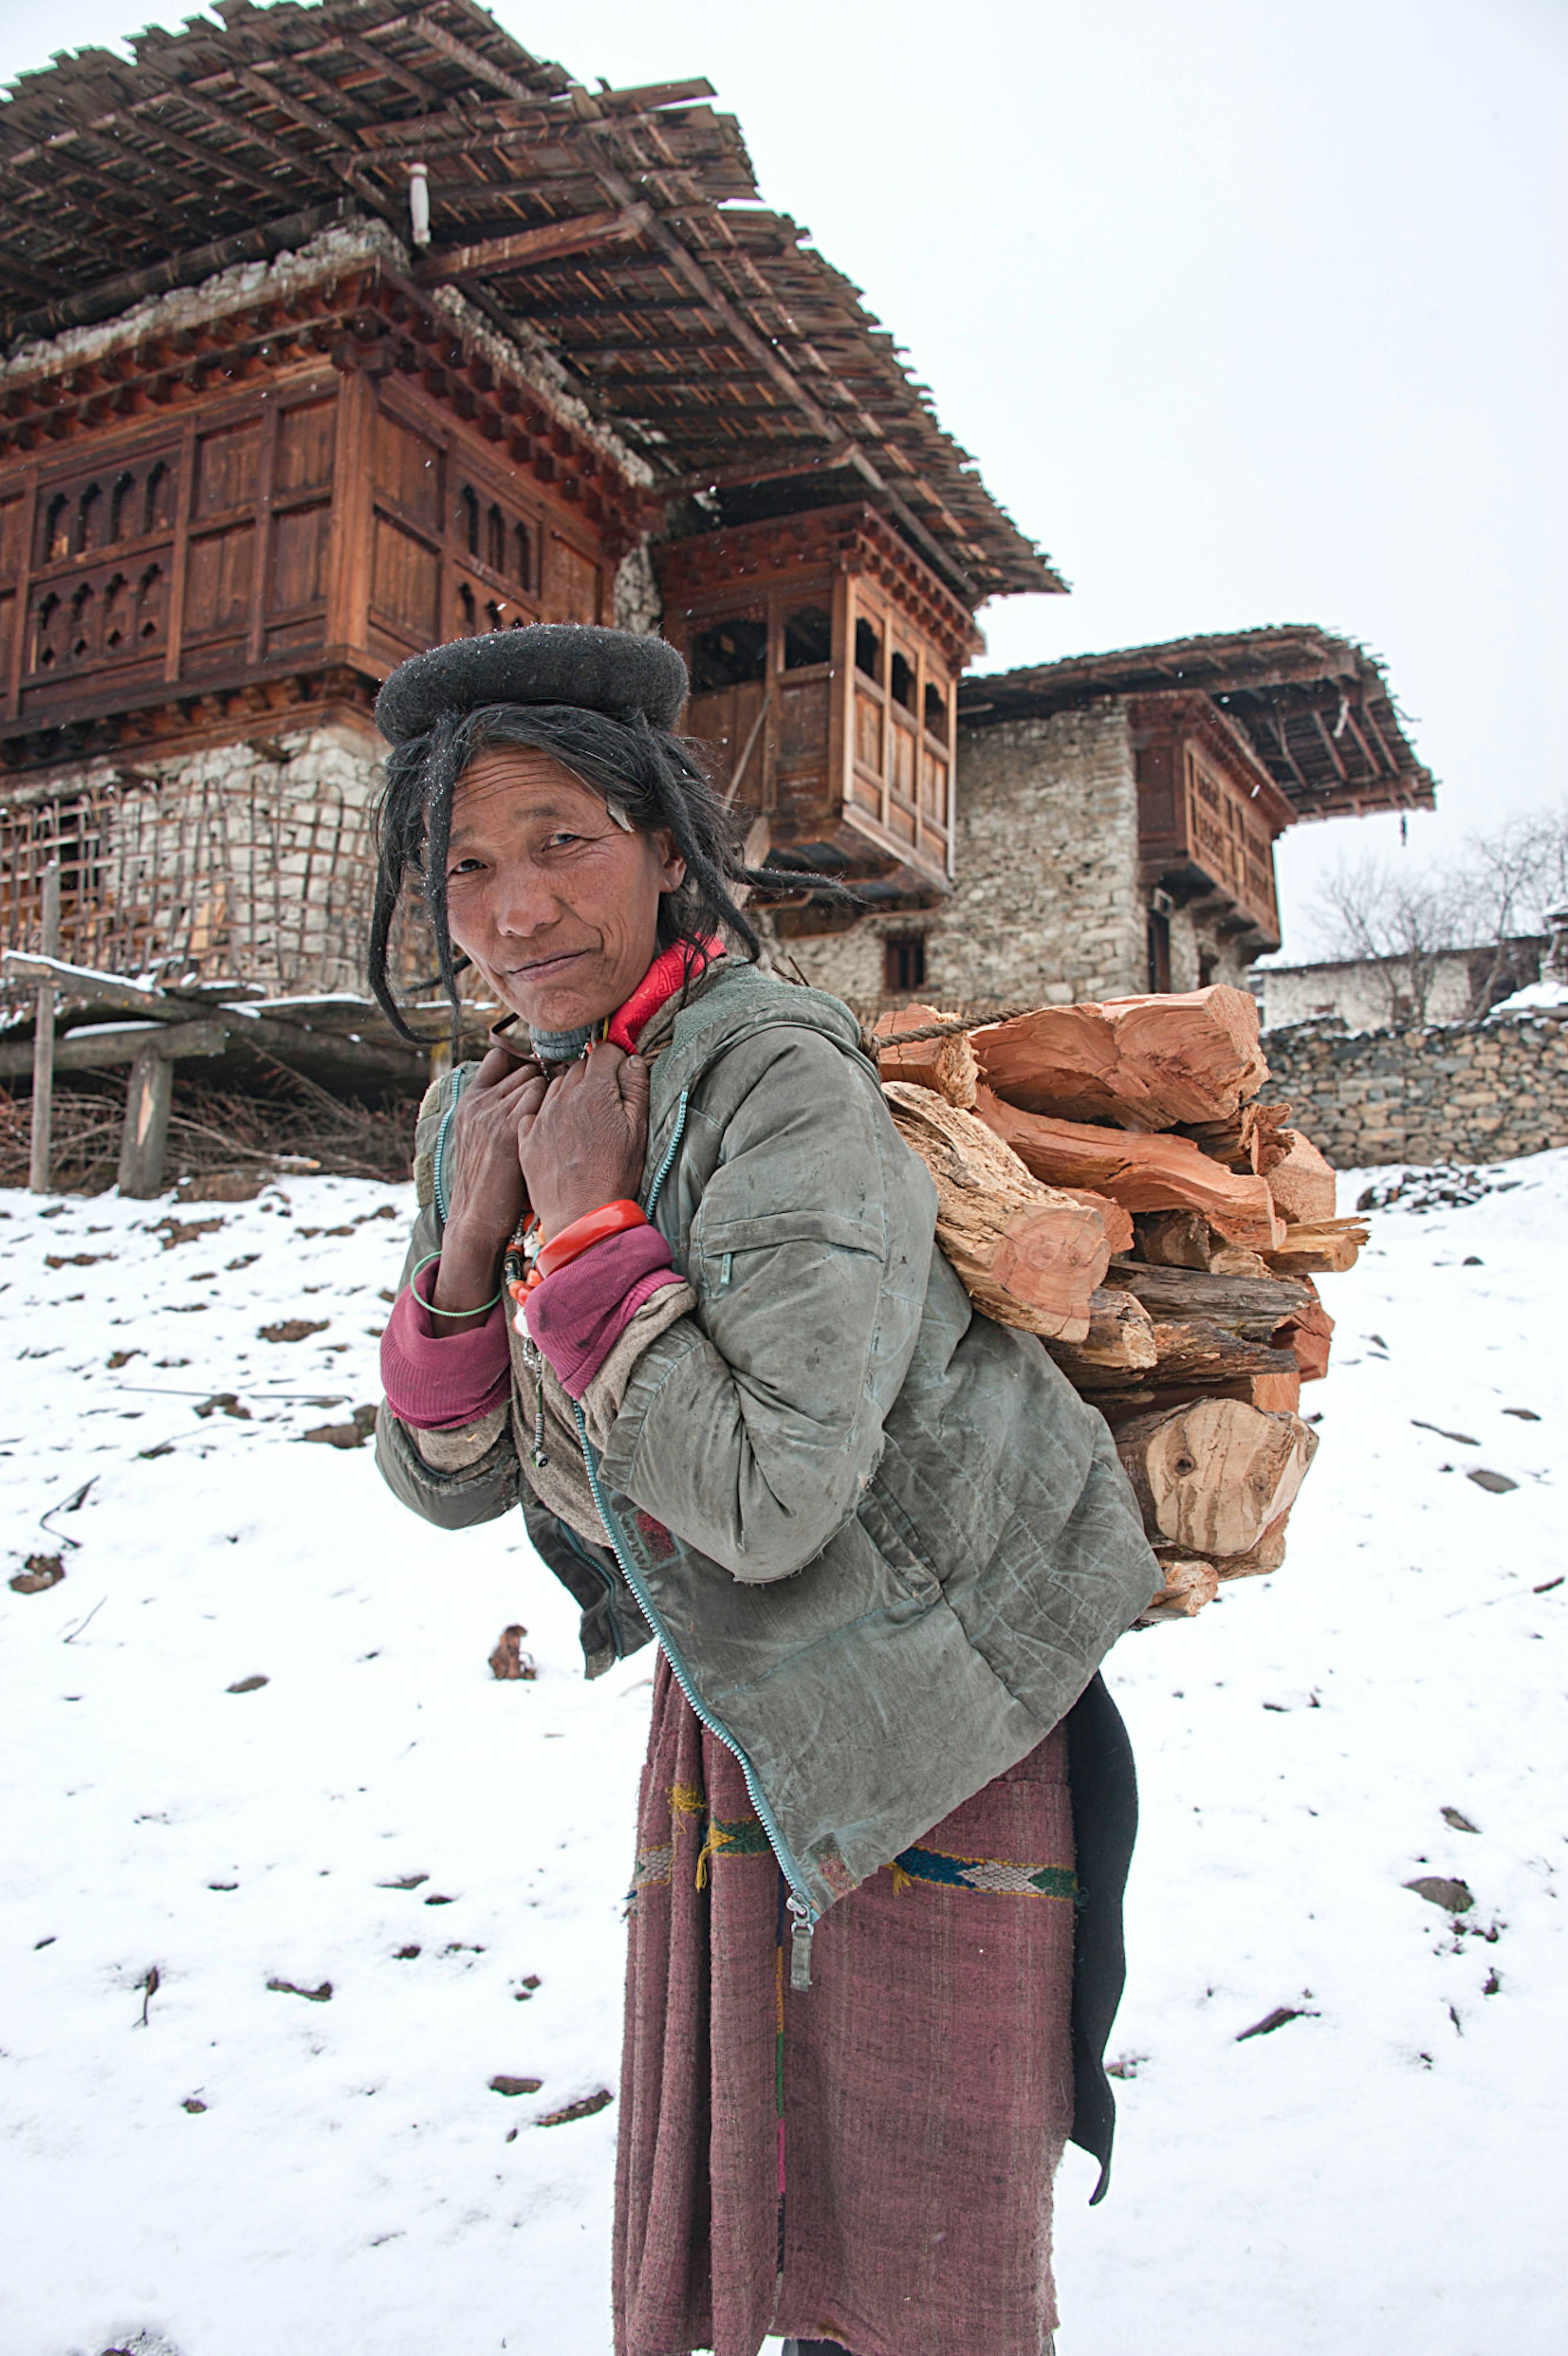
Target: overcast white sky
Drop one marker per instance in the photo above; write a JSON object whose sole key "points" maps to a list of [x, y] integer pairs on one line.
{"points": [[1252, 310]]}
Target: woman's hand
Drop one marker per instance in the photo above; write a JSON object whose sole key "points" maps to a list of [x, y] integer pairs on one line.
{"points": [[488, 1197], [583, 1139]]}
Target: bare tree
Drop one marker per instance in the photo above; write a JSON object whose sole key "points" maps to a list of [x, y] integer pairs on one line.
{"points": [[1399, 919], [1494, 903], [1517, 878]]}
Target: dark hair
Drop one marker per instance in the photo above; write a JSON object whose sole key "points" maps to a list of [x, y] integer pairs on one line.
{"points": [[656, 777]]}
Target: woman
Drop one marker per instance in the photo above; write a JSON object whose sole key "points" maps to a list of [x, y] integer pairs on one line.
{"points": [[880, 1543]]}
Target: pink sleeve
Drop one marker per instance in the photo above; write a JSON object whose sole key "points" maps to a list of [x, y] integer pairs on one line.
{"points": [[435, 1381], [578, 1315]]}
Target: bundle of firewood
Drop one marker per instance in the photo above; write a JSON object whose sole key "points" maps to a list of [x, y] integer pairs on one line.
{"points": [[1107, 1179]]}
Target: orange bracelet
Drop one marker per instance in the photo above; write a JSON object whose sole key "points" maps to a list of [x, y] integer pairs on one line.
{"points": [[592, 1228]]}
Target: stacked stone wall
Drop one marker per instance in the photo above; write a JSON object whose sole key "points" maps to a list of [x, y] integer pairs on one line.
{"points": [[1046, 903], [1437, 1092]]}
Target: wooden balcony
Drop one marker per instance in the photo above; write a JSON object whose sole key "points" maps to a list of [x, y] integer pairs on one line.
{"points": [[824, 662], [1208, 812]]}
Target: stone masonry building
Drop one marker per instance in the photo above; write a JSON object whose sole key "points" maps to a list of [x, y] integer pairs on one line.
{"points": [[1116, 822]]}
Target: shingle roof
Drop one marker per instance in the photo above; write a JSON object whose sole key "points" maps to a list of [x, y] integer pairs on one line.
{"points": [[1316, 709], [715, 339]]}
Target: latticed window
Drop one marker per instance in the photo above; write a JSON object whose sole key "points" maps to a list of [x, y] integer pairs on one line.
{"points": [[32, 835]]}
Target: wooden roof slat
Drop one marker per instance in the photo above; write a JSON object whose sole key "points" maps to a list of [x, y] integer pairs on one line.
{"points": [[516, 251], [1332, 749], [330, 93], [447, 45], [384, 67], [269, 87]]}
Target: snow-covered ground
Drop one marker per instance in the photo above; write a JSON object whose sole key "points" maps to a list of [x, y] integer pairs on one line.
{"points": [[198, 2163]]}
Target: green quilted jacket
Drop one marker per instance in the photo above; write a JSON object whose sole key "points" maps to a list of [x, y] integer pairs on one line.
{"points": [[883, 1542]]}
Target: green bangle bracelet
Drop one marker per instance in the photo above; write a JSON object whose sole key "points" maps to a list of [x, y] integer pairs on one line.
{"points": [[429, 1306]]}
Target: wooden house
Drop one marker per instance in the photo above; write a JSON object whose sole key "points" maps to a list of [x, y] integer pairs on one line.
{"points": [[335, 331]]}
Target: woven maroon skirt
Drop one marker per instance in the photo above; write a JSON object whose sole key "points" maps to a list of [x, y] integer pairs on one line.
{"points": [[870, 2160]]}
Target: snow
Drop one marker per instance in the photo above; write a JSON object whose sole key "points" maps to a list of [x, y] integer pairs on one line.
{"points": [[1378, 2172], [1534, 994]]}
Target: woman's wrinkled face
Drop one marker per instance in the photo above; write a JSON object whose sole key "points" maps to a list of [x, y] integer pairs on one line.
{"points": [[555, 904]]}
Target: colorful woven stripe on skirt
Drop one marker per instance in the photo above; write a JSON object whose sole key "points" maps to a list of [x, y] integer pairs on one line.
{"points": [[868, 2161]]}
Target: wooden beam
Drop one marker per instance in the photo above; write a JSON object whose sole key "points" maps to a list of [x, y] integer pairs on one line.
{"points": [[1374, 767], [386, 69], [265, 86], [448, 46], [525, 249], [44, 1042], [187, 269], [720, 478], [1330, 746], [76, 1050], [143, 1141], [780, 372], [293, 160], [99, 989]]}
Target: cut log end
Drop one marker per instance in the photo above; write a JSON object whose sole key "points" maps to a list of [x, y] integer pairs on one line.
{"points": [[1211, 1478], [947, 1066]]}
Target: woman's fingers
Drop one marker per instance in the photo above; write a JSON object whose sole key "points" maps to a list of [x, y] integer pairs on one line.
{"points": [[496, 1065], [634, 1080]]}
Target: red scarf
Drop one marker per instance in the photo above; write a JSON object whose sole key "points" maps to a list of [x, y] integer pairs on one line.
{"points": [[667, 974]]}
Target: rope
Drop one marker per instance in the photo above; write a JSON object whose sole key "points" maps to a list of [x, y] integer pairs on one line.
{"points": [[950, 1029]]}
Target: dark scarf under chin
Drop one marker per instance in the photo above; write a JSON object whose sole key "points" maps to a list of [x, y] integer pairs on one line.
{"points": [[672, 970], [563, 1046]]}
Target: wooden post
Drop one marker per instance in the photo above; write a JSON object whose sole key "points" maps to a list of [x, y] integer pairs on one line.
{"points": [[146, 1135], [44, 1042]]}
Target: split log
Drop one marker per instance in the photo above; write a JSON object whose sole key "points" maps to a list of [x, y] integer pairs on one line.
{"points": [[1301, 1182], [1191, 1352], [1192, 1580], [1309, 1332], [1026, 1254], [1275, 1394], [1141, 1174], [949, 1066], [1252, 1139], [1318, 1248], [1254, 1307], [1211, 1478], [1120, 1341], [1144, 1063], [1186, 1239], [1190, 1583], [1143, 1353]]}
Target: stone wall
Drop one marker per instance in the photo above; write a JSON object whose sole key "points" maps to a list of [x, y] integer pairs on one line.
{"points": [[1045, 905], [1438, 1092]]}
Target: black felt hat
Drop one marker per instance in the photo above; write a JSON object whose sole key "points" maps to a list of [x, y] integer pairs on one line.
{"points": [[617, 672]]}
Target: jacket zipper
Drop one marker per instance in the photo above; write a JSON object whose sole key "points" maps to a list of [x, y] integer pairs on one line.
{"points": [[804, 1916], [439, 1182]]}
